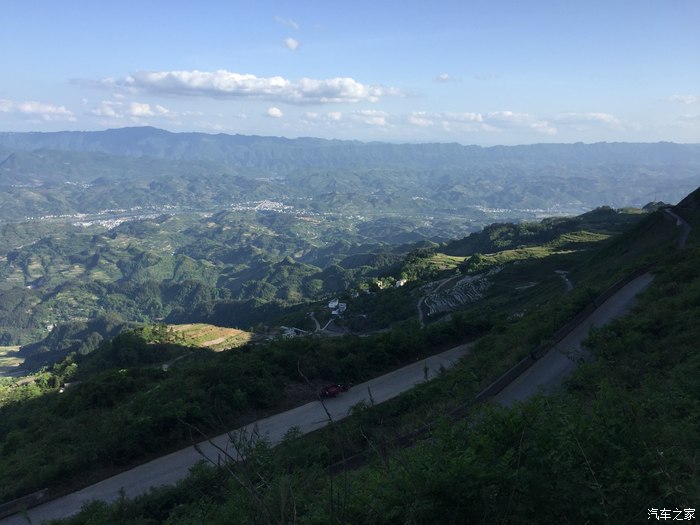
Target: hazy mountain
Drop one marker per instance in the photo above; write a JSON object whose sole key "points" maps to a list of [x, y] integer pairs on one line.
{"points": [[70, 173], [276, 153]]}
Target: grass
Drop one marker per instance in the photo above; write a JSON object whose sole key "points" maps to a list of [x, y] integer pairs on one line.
{"points": [[566, 243], [579, 237], [446, 262], [209, 336]]}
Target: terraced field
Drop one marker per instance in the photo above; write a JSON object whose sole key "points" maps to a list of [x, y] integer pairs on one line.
{"points": [[466, 290], [209, 336], [565, 243], [9, 359]]}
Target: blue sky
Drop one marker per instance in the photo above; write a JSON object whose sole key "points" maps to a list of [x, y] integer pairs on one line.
{"points": [[474, 72]]}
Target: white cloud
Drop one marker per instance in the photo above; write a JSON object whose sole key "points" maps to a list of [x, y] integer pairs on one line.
{"points": [[227, 84], [140, 110], [274, 112], [454, 121], [108, 109], [510, 119], [581, 118], [160, 110], [287, 22], [34, 109], [462, 117], [291, 43], [315, 116], [116, 109], [48, 111], [447, 119], [371, 117], [685, 99], [688, 121], [421, 118], [444, 78]]}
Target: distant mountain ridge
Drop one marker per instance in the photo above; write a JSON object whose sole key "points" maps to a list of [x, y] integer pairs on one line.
{"points": [[289, 154], [73, 172]]}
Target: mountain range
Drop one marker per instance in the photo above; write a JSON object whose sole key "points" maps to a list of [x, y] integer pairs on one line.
{"points": [[69, 173]]}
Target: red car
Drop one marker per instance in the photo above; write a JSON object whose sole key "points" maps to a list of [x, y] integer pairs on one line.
{"points": [[333, 390]]}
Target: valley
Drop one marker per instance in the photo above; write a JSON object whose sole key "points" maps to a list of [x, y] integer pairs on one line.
{"points": [[170, 299]]}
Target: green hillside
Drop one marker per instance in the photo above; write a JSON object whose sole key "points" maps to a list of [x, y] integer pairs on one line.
{"points": [[616, 442], [124, 385], [249, 268], [167, 266]]}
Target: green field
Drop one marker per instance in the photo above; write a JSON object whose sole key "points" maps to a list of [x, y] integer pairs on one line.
{"points": [[442, 261]]}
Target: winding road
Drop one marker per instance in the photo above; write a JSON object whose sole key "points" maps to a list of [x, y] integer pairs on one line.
{"points": [[169, 469], [549, 372], [682, 223], [546, 375]]}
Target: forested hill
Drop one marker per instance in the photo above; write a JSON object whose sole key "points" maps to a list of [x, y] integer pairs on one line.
{"points": [[618, 439], [278, 153]]}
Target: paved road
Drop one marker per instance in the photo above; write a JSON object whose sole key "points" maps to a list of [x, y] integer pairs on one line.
{"points": [[548, 373], [169, 469], [421, 320], [683, 224]]}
